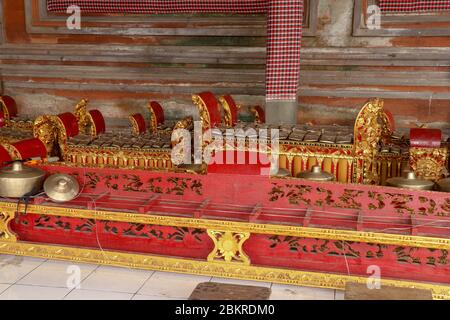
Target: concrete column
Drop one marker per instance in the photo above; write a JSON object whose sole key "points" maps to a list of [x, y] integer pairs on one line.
{"points": [[281, 111]]}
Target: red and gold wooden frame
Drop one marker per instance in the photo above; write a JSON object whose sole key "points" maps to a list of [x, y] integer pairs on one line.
{"points": [[428, 163], [357, 163], [262, 229], [208, 108], [97, 122], [259, 114], [230, 109], [137, 122], [426, 156], [114, 157], [157, 117], [89, 122], [8, 106], [9, 110]]}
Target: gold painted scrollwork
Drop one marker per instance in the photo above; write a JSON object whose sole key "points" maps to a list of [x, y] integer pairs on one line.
{"points": [[228, 119], [153, 119], [203, 112], [5, 233], [428, 163], [82, 115], [228, 246], [368, 133], [61, 134], [4, 109], [185, 123], [134, 126], [45, 129], [387, 126], [256, 114]]}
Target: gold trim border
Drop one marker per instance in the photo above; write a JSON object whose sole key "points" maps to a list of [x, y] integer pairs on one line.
{"points": [[198, 267], [233, 226]]}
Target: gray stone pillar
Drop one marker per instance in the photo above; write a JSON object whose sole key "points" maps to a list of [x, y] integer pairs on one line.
{"points": [[281, 112]]}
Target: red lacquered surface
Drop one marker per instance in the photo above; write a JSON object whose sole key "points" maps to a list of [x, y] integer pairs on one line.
{"points": [[70, 123], [271, 192], [425, 138], [140, 121], [258, 200], [233, 108], [31, 148], [159, 111], [234, 162], [99, 121], [336, 256], [213, 107], [351, 258], [10, 105], [164, 240]]}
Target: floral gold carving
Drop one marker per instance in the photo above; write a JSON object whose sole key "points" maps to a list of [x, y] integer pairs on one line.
{"points": [[5, 233], [228, 246], [428, 163]]}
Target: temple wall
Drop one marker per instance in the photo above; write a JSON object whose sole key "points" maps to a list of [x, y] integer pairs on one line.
{"points": [[120, 62]]}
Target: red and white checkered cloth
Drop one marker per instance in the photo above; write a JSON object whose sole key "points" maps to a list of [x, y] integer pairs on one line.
{"points": [[161, 6], [285, 20], [413, 6]]}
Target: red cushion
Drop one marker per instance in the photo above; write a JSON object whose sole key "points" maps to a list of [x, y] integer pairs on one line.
{"points": [[5, 157], [99, 121], [70, 124], [31, 148], [233, 108], [11, 105], [140, 121], [425, 138], [159, 112], [213, 107]]}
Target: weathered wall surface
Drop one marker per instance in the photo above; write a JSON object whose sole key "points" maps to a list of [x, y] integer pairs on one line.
{"points": [[120, 62]]}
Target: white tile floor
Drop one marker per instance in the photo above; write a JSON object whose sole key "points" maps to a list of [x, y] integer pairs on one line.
{"points": [[23, 278]]}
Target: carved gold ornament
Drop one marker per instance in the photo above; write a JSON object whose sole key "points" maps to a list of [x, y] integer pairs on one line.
{"points": [[82, 115], [4, 109], [153, 119], [367, 135], [185, 123], [203, 112], [428, 163], [255, 114], [45, 130], [5, 233], [228, 119], [134, 126], [228, 246]]}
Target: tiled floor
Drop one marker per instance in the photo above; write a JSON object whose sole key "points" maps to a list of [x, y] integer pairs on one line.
{"points": [[28, 278]]}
